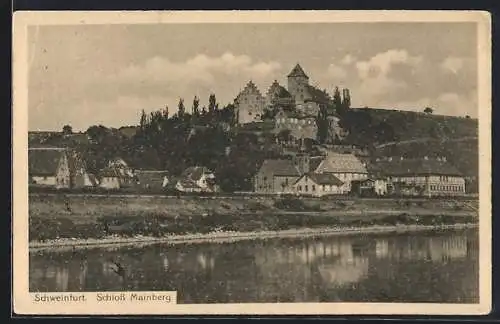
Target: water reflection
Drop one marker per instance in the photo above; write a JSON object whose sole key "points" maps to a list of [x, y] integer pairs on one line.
{"points": [[434, 268]]}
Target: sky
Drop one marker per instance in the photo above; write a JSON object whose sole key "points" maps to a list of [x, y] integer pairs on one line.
{"points": [[85, 75]]}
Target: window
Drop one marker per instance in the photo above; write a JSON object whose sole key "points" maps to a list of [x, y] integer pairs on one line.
{"points": [[324, 188], [286, 181], [313, 188], [300, 188], [307, 188]]}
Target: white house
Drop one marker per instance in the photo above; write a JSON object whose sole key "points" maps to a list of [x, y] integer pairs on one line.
{"points": [[197, 179], [318, 185]]}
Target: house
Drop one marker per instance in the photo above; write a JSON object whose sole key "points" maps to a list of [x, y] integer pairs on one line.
{"points": [[422, 176], [369, 187], [48, 167], [197, 179], [110, 178], [346, 167], [151, 179], [59, 168], [318, 184], [117, 167], [276, 176]]}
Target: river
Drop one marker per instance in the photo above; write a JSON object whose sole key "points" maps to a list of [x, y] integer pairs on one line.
{"points": [[419, 267]]}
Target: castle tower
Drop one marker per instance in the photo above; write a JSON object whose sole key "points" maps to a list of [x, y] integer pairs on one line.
{"points": [[249, 104], [297, 84]]}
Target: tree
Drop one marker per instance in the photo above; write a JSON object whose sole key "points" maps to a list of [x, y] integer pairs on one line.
{"points": [[144, 120], [428, 110], [196, 104], [467, 117], [180, 108], [337, 100], [346, 100], [322, 124], [212, 103], [67, 130]]}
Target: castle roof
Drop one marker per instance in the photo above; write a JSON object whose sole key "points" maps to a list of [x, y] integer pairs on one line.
{"points": [[317, 95], [278, 91], [249, 88], [298, 72]]}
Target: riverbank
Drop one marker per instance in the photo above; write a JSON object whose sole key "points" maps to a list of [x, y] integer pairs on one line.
{"points": [[55, 217], [224, 237]]}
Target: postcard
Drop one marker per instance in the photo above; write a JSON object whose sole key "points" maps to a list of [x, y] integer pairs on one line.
{"points": [[252, 162]]}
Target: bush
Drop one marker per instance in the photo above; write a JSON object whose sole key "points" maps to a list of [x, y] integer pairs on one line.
{"points": [[290, 203]]}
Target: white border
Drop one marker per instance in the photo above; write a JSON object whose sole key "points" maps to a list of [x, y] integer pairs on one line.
{"points": [[22, 300]]}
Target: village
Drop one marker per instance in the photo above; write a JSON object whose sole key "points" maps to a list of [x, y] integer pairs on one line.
{"points": [[305, 125]]}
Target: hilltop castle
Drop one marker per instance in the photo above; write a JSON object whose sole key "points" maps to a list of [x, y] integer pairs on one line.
{"points": [[300, 95]]}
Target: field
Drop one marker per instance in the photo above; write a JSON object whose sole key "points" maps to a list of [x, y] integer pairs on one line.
{"points": [[84, 216]]}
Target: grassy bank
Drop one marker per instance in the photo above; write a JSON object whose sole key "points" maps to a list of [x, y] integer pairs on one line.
{"points": [[86, 217]]}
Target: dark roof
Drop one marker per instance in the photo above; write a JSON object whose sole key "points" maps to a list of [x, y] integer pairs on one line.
{"points": [[317, 95], [297, 71], [325, 179], [279, 167], [283, 93], [315, 161], [44, 161], [406, 167]]}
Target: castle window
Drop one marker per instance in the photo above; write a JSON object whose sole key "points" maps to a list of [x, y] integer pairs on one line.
{"points": [[249, 113]]}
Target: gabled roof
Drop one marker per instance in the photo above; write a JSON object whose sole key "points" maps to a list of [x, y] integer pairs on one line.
{"points": [[324, 179], [297, 71], [279, 167], [109, 172], [315, 161], [421, 166], [341, 163], [44, 161], [276, 90]]}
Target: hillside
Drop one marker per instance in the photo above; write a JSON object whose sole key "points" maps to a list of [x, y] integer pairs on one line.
{"points": [[369, 126]]}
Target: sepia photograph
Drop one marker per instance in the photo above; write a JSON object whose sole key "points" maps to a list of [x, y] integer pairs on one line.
{"points": [[261, 161]]}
